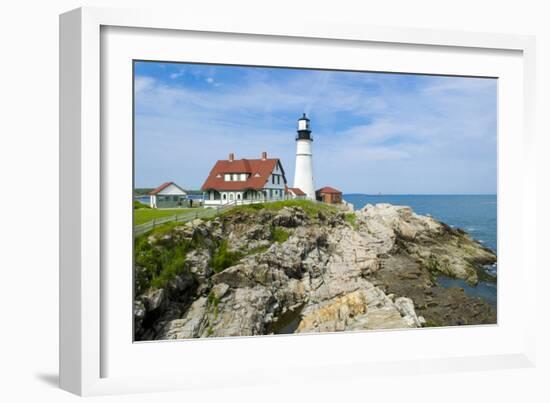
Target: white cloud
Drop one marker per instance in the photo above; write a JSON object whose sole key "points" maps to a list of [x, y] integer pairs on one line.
{"points": [[177, 74], [143, 83]]}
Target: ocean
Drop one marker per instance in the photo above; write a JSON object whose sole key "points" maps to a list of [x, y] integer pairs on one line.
{"points": [[476, 214]]}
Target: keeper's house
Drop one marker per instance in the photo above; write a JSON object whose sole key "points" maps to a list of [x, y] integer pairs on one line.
{"points": [[244, 181], [168, 195]]}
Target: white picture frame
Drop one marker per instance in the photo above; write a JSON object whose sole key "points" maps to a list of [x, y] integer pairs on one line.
{"points": [[92, 359]]}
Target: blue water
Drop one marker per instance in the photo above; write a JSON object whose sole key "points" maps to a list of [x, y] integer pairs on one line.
{"points": [[475, 214]]}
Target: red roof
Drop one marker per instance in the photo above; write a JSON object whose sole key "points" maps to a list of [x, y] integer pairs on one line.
{"points": [[328, 189], [160, 188], [297, 191], [259, 171], [164, 186]]}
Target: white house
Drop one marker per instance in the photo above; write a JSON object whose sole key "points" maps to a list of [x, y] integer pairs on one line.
{"points": [[168, 195], [244, 181]]}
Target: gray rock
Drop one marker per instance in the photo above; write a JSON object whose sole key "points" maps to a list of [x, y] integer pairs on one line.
{"points": [[154, 299]]}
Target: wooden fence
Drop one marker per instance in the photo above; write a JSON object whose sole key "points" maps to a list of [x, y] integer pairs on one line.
{"points": [[184, 217]]}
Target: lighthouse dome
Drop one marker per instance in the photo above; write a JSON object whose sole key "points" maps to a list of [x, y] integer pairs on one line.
{"points": [[304, 131]]}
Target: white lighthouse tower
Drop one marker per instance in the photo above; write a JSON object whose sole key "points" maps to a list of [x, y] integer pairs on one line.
{"points": [[303, 174]]}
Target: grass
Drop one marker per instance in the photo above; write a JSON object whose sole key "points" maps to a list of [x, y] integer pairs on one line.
{"points": [[143, 215], [222, 258], [138, 204], [309, 207], [256, 250], [161, 260], [350, 219], [158, 265], [213, 302], [279, 234]]}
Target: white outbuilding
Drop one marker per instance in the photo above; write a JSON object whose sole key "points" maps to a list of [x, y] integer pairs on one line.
{"points": [[168, 195]]}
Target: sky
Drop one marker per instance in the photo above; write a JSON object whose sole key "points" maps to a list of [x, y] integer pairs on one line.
{"points": [[372, 132]]}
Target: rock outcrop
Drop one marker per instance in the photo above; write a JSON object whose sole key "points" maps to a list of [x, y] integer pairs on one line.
{"points": [[307, 268]]}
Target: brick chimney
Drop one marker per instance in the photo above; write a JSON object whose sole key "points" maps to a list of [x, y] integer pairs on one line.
{"points": [[231, 157], [264, 155]]}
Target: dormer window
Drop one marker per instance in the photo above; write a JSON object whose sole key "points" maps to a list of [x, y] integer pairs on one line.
{"points": [[236, 177]]}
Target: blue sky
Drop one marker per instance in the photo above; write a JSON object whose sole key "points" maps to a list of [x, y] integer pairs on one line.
{"points": [[373, 132]]}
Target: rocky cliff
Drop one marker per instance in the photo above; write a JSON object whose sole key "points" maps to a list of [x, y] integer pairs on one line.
{"points": [[296, 267]]}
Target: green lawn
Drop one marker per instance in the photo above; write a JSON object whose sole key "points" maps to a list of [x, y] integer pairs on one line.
{"points": [[143, 215], [309, 207]]}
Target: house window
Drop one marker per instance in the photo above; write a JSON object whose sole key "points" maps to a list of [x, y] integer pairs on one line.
{"points": [[224, 196], [227, 177], [238, 196]]}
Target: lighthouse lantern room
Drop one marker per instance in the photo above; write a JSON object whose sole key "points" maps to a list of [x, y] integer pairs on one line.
{"points": [[303, 174]]}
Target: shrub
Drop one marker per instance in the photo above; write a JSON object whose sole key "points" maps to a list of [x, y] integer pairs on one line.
{"points": [[223, 258], [279, 235], [172, 265], [350, 219], [156, 266]]}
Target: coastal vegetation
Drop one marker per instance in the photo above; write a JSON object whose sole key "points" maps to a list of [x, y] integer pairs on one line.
{"points": [[312, 209], [222, 258], [350, 219]]}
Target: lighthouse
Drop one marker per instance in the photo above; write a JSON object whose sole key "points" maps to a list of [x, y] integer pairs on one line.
{"points": [[303, 174]]}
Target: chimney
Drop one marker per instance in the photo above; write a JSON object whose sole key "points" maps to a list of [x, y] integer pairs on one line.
{"points": [[264, 156], [231, 157]]}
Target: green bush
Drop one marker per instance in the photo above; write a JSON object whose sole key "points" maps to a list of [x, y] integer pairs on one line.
{"points": [[172, 265], [222, 258], [279, 235], [156, 266], [350, 219]]}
